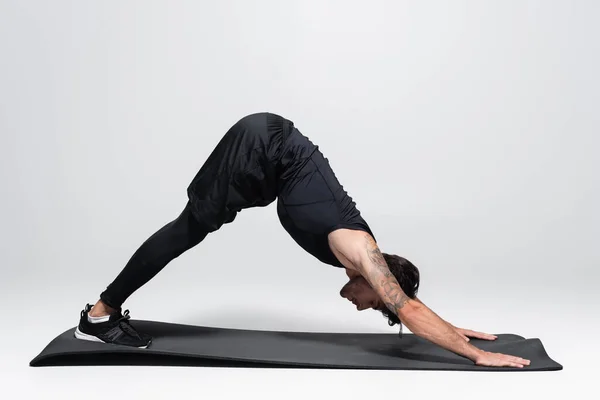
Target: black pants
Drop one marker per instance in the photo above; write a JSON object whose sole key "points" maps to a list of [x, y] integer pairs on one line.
{"points": [[243, 171], [154, 254]]}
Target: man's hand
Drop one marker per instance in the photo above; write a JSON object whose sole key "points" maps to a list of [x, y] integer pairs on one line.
{"points": [[488, 359], [467, 333]]}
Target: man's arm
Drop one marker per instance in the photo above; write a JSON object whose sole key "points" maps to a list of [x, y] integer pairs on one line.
{"points": [[421, 304], [364, 256], [466, 334], [453, 327]]}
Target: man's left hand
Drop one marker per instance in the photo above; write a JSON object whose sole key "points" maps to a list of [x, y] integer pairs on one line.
{"points": [[467, 333]]}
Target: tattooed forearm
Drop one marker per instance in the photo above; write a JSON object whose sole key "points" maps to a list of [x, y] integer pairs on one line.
{"points": [[382, 280]]}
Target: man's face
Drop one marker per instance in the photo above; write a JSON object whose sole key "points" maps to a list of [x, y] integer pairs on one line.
{"points": [[360, 293]]}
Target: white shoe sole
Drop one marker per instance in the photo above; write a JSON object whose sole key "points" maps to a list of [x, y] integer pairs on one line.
{"points": [[84, 336]]}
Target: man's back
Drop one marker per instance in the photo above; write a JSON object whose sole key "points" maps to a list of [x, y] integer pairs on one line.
{"points": [[311, 201]]}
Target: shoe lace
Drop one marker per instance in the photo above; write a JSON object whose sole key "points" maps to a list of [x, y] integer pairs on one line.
{"points": [[124, 323]]}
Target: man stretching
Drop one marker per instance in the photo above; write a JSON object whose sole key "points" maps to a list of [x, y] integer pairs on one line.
{"points": [[261, 158]]}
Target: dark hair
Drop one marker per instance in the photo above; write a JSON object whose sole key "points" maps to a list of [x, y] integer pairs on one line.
{"points": [[407, 276]]}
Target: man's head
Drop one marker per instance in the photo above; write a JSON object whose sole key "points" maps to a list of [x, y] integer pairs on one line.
{"points": [[360, 293]]}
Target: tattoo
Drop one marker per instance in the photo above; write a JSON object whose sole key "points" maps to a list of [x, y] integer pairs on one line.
{"points": [[383, 280]]}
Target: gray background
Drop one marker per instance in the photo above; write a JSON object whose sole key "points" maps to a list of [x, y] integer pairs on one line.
{"points": [[466, 131]]}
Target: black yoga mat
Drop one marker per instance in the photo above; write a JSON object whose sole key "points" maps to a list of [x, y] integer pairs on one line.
{"points": [[187, 345]]}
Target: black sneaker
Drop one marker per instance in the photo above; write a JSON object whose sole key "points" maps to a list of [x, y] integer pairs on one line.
{"points": [[117, 330]]}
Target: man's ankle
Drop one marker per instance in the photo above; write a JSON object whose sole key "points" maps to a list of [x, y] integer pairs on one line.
{"points": [[100, 309]]}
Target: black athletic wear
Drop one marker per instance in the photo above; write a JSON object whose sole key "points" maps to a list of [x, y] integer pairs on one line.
{"points": [[261, 158], [117, 330], [311, 201], [168, 243]]}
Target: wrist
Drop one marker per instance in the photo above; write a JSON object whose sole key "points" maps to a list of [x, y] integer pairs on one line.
{"points": [[475, 353]]}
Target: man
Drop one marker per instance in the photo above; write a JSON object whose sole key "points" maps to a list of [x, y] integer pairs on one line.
{"points": [[261, 158]]}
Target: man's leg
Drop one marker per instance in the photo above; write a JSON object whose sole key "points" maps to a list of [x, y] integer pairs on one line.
{"points": [[154, 254]]}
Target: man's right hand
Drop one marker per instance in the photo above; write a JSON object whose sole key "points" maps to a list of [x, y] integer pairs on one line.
{"points": [[485, 358]]}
